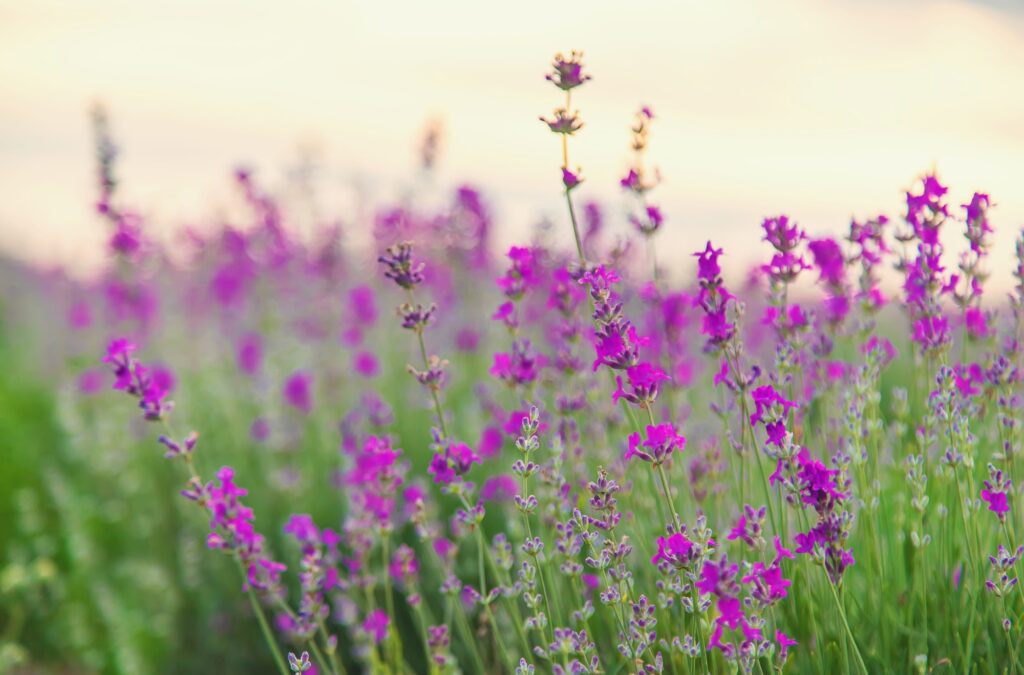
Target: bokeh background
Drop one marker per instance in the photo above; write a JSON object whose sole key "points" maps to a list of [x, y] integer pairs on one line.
{"points": [[819, 109]]}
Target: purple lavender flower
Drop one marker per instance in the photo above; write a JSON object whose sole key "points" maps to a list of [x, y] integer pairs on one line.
{"points": [[400, 267], [250, 353], [567, 71], [661, 440], [376, 625], [151, 386], [996, 492], [453, 462], [298, 391]]}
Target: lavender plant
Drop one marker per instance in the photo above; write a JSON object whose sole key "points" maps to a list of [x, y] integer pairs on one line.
{"points": [[615, 466]]}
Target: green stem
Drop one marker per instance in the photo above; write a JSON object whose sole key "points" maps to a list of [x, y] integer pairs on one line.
{"points": [[846, 624], [268, 636]]}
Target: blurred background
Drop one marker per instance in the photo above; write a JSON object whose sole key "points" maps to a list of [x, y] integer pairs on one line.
{"points": [[823, 110]]}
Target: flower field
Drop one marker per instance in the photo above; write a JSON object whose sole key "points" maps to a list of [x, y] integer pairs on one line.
{"points": [[389, 446]]}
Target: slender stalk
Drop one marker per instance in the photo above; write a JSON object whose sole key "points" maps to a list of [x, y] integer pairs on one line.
{"points": [[846, 624], [268, 636]]}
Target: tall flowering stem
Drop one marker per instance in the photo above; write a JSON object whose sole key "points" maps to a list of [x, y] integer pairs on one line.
{"points": [[452, 460], [972, 272], [231, 524], [638, 182], [924, 275], [567, 74], [720, 326]]}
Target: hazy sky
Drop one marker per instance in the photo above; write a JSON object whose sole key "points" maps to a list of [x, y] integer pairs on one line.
{"points": [[818, 109]]}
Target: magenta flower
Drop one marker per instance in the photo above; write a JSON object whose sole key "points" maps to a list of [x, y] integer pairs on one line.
{"points": [[571, 180], [976, 322], [931, 332], [676, 549], [365, 363], [490, 443], [661, 440], [404, 567], [400, 267], [501, 488], [161, 383], [297, 392], [302, 527], [996, 492], [232, 529], [997, 502], [521, 367], [362, 301], [829, 260], [376, 625], [250, 353], [768, 584], [452, 463], [374, 463], [785, 642], [707, 263], [521, 274], [771, 408], [150, 385], [644, 384], [781, 551], [749, 526], [632, 182], [567, 71]]}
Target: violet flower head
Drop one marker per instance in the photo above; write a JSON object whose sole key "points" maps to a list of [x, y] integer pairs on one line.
{"points": [[661, 440], [749, 527], [998, 488], [399, 266], [298, 391], [451, 463], [977, 221], [520, 367], [714, 299], [771, 408], [566, 123], [567, 71], [151, 386], [783, 234], [500, 488], [521, 274], [677, 550], [250, 353], [768, 586], [404, 566], [927, 205], [232, 529], [785, 237], [785, 642], [643, 384], [571, 179], [376, 625], [829, 260], [362, 302]]}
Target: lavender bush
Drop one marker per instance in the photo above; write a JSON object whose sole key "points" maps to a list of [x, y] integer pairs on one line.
{"points": [[420, 456]]}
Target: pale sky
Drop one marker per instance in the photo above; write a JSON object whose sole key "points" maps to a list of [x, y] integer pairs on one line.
{"points": [[818, 109]]}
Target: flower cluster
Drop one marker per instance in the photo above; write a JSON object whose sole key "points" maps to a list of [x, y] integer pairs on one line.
{"points": [[617, 343], [714, 299], [150, 385], [924, 279]]}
